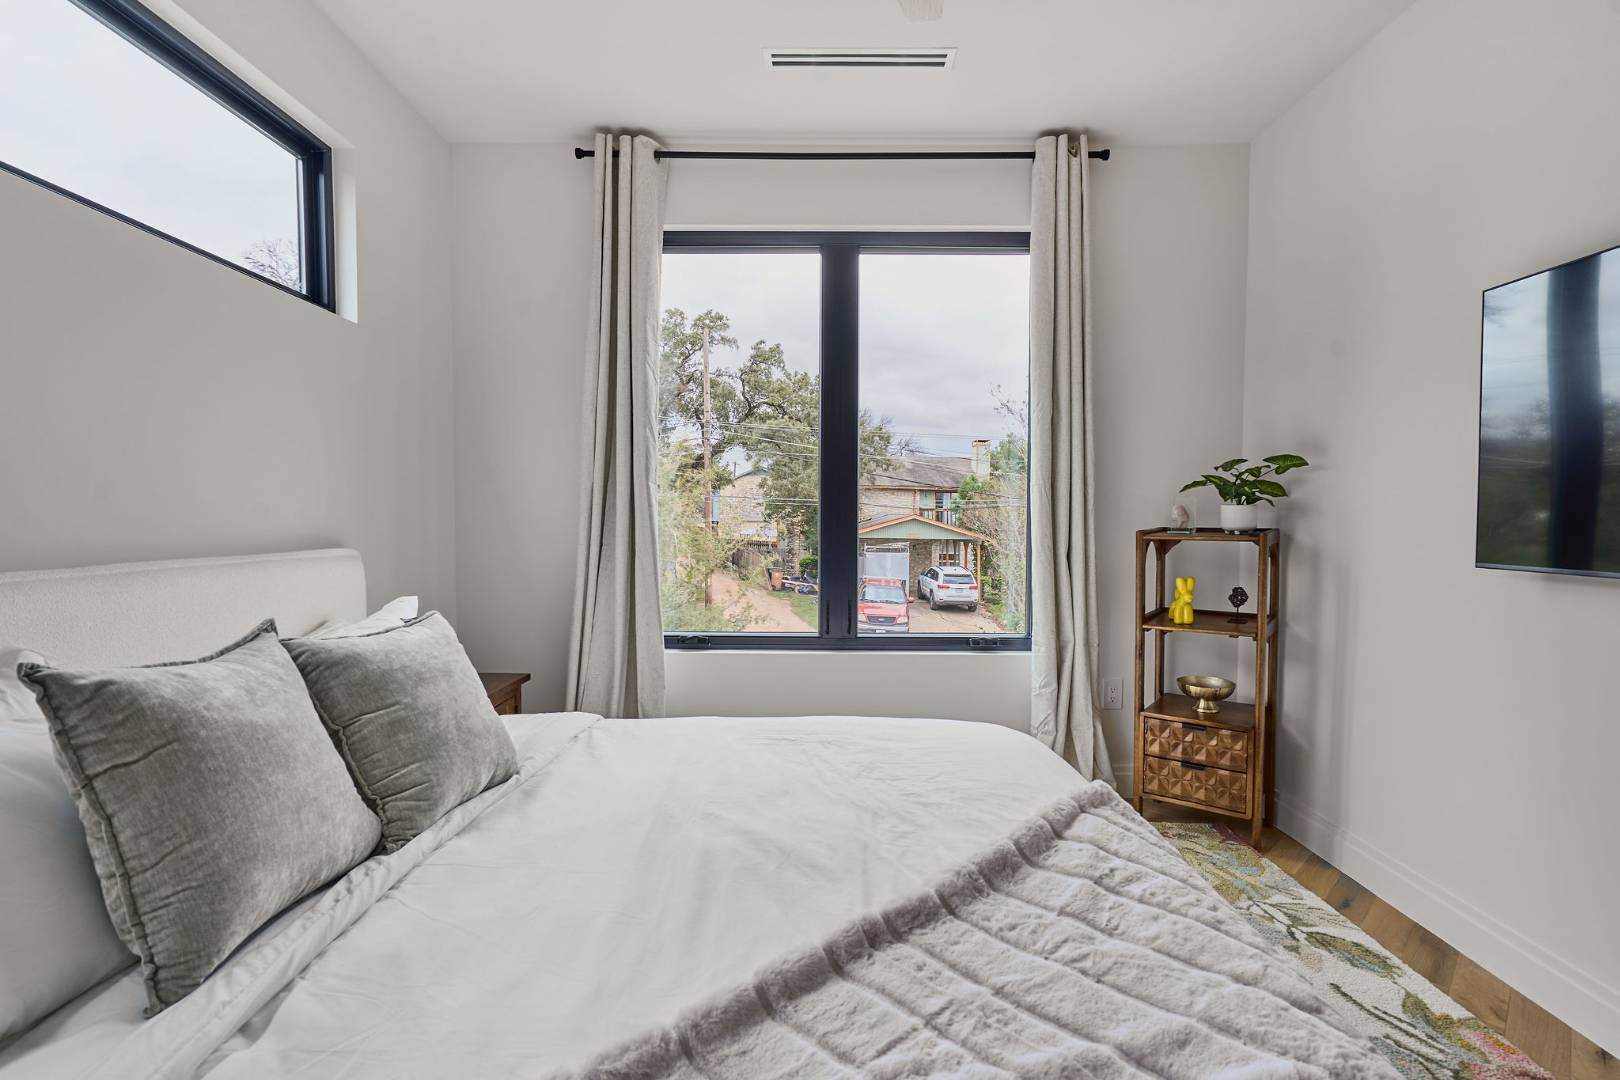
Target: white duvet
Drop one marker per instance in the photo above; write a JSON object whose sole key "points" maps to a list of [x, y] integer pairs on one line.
{"points": [[630, 870]]}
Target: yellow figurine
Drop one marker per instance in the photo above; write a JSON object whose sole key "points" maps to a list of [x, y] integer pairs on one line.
{"points": [[1181, 611]]}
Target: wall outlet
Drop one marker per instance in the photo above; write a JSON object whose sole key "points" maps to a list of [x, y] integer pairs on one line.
{"points": [[1113, 693]]}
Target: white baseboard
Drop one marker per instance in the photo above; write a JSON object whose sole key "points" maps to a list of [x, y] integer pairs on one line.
{"points": [[1124, 778], [1574, 995]]}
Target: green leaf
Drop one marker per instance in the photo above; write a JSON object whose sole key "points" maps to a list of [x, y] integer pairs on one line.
{"points": [[1351, 952], [1287, 462], [1272, 488], [1195, 484], [1228, 466]]}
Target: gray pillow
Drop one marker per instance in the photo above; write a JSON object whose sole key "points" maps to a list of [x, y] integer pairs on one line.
{"points": [[210, 795], [410, 716]]}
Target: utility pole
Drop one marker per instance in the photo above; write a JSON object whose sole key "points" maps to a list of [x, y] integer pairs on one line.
{"points": [[707, 412], [708, 473]]}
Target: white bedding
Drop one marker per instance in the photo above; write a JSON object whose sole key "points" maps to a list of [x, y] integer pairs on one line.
{"points": [[630, 870]]}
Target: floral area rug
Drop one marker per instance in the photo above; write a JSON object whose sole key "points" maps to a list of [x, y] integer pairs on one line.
{"points": [[1421, 1030]]}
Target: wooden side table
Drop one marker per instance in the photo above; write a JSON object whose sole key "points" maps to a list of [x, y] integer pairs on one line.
{"points": [[505, 689]]}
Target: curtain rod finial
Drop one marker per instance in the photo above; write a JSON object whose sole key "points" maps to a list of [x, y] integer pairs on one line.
{"points": [[579, 153]]}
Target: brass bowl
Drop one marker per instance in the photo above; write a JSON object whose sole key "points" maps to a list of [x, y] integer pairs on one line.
{"points": [[1208, 689]]}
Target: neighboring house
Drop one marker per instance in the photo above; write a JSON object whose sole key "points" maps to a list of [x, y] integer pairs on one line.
{"points": [[913, 500], [931, 541]]}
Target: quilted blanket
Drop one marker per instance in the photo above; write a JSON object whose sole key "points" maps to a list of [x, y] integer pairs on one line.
{"points": [[1081, 946]]}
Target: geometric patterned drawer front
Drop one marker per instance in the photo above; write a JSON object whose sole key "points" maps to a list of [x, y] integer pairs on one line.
{"points": [[1212, 787], [1207, 746]]}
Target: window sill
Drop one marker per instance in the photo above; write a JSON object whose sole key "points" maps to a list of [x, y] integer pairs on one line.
{"points": [[763, 643]]}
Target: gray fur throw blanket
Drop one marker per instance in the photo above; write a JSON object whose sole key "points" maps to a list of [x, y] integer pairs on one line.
{"points": [[1081, 946]]}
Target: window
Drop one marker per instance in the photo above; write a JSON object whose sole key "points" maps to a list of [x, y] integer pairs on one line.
{"points": [[840, 414], [109, 106]]}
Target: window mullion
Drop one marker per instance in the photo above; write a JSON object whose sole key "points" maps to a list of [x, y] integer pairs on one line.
{"points": [[840, 436], [318, 241]]}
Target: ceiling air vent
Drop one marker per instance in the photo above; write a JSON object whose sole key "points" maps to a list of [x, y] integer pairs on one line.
{"points": [[861, 58]]}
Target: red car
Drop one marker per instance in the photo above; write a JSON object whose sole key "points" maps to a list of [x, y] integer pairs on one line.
{"points": [[881, 607]]}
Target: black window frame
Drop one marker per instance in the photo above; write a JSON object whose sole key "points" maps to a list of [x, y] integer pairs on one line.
{"points": [[166, 45], [838, 546]]}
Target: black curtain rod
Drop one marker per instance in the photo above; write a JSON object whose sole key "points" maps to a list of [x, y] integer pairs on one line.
{"points": [[823, 155]]}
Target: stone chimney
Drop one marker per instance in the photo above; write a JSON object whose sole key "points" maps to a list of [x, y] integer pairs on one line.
{"points": [[981, 458]]}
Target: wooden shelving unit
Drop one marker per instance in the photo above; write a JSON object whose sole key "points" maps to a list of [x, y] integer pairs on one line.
{"points": [[1221, 762]]}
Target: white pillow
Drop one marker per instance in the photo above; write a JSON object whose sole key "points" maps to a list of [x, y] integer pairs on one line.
{"points": [[56, 938], [17, 702], [401, 609]]}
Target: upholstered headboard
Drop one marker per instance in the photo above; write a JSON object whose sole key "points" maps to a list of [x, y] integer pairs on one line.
{"points": [[146, 613]]}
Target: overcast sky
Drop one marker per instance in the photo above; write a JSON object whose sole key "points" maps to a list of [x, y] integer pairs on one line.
{"points": [[939, 333], [1515, 345], [84, 109]]}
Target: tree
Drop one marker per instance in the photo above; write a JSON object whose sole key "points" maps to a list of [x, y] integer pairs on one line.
{"points": [[277, 260], [765, 410], [996, 505], [690, 551]]}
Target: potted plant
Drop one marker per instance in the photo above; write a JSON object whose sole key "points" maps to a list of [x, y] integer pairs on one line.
{"points": [[1245, 486]]}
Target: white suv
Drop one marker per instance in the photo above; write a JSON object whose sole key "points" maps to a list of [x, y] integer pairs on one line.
{"points": [[943, 585]]}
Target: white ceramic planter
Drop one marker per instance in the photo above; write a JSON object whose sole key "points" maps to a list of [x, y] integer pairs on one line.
{"points": [[1236, 518]]}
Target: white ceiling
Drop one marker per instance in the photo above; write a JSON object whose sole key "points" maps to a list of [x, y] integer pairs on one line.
{"points": [[1139, 71]]}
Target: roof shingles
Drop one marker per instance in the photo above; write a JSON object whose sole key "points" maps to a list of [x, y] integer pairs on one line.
{"points": [[925, 473]]}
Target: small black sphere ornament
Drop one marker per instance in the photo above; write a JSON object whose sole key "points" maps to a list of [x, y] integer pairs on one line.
{"points": [[1237, 598]]}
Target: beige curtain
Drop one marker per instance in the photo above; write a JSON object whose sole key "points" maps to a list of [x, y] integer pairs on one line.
{"points": [[616, 655], [1064, 711]]}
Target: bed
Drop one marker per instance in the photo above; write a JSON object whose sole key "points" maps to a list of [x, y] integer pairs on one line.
{"points": [[630, 871]]}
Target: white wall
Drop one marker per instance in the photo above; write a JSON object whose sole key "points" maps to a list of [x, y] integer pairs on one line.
{"points": [[522, 248], [882, 195], [1170, 237], [1169, 251], [1449, 734], [157, 405]]}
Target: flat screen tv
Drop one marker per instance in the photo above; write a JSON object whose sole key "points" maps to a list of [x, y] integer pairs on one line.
{"points": [[1549, 421]]}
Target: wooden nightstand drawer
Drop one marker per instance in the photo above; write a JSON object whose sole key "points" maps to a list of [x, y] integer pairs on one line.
{"points": [[1186, 741], [1221, 788]]}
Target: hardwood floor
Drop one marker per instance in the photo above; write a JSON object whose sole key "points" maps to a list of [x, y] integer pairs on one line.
{"points": [[1542, 1036]]}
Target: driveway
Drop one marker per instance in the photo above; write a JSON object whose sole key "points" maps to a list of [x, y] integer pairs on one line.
{"points": [[773, 613], [769, 613], [952, 620]]}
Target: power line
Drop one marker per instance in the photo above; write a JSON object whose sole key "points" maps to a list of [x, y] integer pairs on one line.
{"points": [[975, 505], [756, 424]]}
